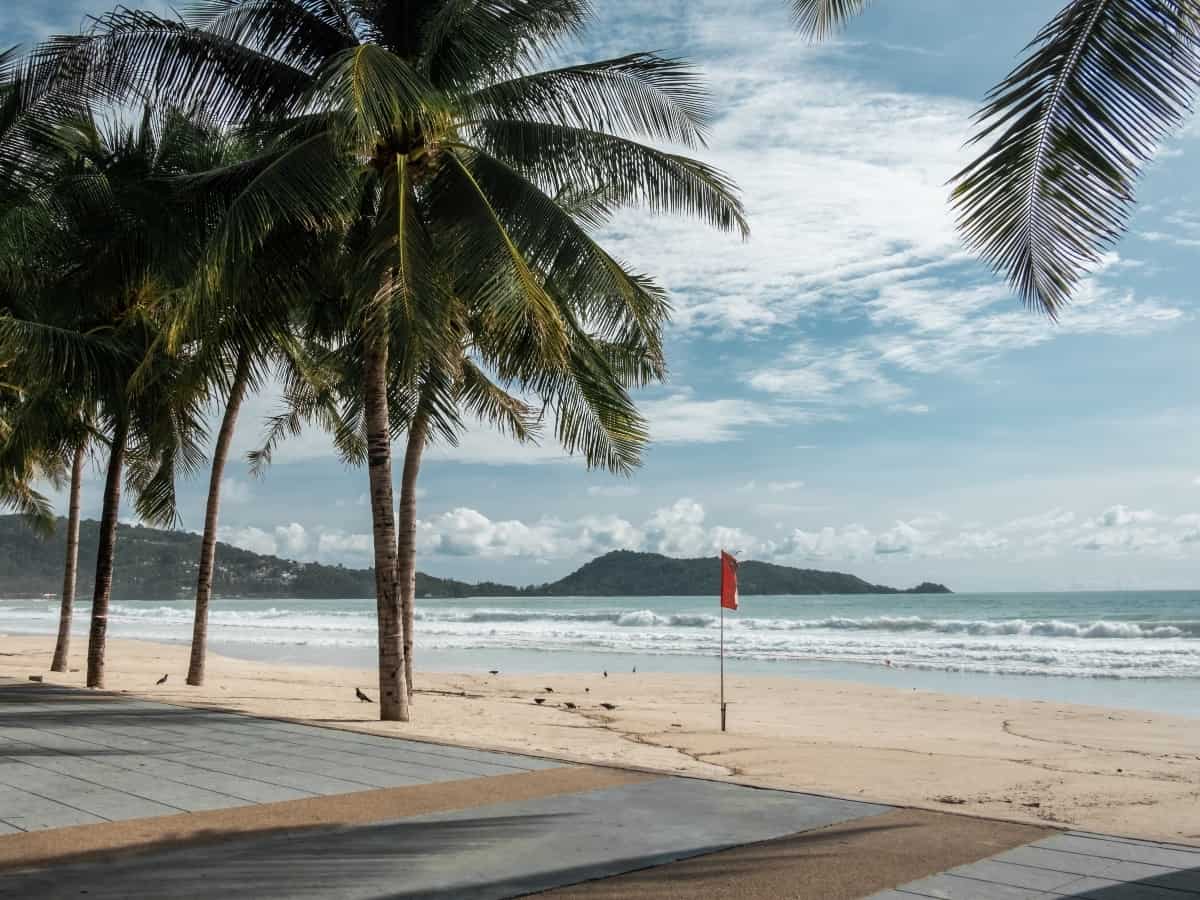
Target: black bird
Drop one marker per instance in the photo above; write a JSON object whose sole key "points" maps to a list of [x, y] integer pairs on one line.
{"points": [[162, 680], [587, 690], [609, 705], [606, 674], [569, 705], [539, 700], [363, 697], [493, 671], [549, 690]]}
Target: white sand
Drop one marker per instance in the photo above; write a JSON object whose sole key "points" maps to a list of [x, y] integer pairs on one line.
{"points": [[1100, 769]]}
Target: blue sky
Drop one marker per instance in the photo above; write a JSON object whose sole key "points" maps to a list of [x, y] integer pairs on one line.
{"points": [[849, 388]]}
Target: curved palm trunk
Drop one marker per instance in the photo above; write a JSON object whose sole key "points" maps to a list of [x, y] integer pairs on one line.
{"points": [[105, 554], [208, 544], [393, 692], [62, 646], [406, 545]]}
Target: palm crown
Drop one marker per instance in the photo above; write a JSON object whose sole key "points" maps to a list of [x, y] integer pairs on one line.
{"points": [[452, 190]]}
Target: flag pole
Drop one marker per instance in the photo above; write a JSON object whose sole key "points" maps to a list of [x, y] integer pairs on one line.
{"points": [[722, 605]]}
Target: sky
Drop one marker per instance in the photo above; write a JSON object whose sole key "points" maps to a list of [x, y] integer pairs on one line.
{"points": [[849, 389]]}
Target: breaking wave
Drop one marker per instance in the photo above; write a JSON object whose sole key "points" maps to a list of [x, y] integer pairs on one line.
{"points": [[1050, 635]]}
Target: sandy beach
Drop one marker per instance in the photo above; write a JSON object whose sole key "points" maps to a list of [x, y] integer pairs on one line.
{"points": [[1109, 770]]}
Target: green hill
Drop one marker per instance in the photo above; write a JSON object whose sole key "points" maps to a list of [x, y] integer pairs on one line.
{"points": [[630, 574], [156, 564]]}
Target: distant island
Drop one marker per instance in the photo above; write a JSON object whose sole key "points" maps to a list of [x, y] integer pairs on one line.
{"points": [[154, 564]]}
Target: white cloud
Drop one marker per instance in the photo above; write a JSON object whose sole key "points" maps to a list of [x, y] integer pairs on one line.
{"points": [[1052, 519], [468, 532], [1120, 515], [680, 529], [292, 538], [680, 418], [289, 540], [613, 490], [342, 543], [235, 491], [784, 485], [249, 538], [849, 542], [599, 534]]}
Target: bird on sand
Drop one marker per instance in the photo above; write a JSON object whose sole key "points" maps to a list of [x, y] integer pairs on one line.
{"points": [[493, 671], [162, 680], [609, 706], [539, 700], [606, 674], [363, 697], [587, 690], [569, 705], [549, 690]]}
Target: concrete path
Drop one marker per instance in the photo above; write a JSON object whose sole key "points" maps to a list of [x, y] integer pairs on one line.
{"points": [[496, 851], [113, 797], [68, 757], [1075, 864]]}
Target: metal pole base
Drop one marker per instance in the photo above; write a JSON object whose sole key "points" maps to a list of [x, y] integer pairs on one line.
{"points": [[722, 716]]}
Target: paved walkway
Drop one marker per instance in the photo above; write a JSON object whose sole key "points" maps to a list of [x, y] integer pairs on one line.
{"points": [[1075, 864], [222, 805], [72, 758]]}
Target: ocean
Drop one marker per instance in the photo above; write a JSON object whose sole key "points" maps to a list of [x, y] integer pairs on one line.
{"points": [[1127, 649]]}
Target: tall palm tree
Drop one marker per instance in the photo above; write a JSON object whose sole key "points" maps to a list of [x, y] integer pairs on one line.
{"points": [[49, 426], [1066, 134], [424, 127], [113, 251]]}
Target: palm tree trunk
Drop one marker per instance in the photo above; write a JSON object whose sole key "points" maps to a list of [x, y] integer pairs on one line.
{"points": [[105, 554], [208, 544], [406, 547], [62, 646], [393, 693]]}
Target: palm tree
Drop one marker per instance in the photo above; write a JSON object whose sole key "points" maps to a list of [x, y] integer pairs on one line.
{"points": [[424, 128], [111, 251], [48, 426], [1066, 134]]}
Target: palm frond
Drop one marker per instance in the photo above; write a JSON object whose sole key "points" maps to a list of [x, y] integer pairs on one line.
{"points": [[1071, 128], [491, 403], [465, 42], [817, 19], [600, 290], [491, 266], [633, 174], [639, 94], [377, 95], [135, 53]]}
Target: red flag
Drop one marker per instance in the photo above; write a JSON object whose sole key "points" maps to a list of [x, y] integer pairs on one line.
{"points": [[729, 595]]}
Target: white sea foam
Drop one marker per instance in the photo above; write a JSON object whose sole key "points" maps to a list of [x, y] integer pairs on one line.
{"points": [[1053, 637]]}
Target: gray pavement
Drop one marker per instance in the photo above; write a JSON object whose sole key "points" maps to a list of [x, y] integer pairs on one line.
{"points": [[1075, 864], [70, 758], [502, 850]]}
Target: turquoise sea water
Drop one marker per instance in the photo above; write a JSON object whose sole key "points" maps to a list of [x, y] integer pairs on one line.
{"points": [[1131, 649]]}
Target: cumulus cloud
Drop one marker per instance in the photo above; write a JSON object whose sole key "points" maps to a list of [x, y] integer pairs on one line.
{"points": [[680, 529], [340, 543], [289, 540], [468, 532], [1119, 515]]}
